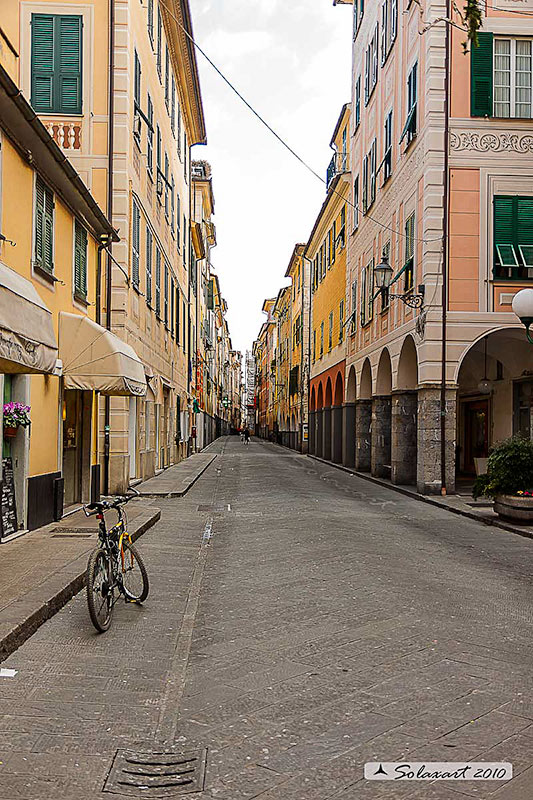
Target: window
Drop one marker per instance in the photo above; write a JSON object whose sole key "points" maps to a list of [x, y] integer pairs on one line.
{"points": [[178, 222], [158, 281], [501, 77], [513, 237], [167, 78], [56, 64], [167, 193], [373, 174], [135, 230], [80, 261], [148, 266], [177, 318], [44, 227], [341, 238], [172, 209], [314, 345], [172, 312], [159, 182], [137, 100], [333, 241], [341, 320], [357, 102], [365, 184], [173, 106], [150, 138], [409, 266], [328, 240], [344, 154], [385, 292], [159, 43], [330, 334], [178, 129], [353, 318], [166, 297], [356, 203], [389, 25], [321, 339], [358, 13], [151, 21], [387, 154], [367, 293], [409, 129]]}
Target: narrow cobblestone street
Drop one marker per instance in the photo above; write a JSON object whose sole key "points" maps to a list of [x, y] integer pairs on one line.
{"points": [[301, 621]]}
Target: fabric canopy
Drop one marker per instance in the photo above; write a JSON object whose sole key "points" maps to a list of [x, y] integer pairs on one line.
{"points": [[27, 338], [95, 358]]}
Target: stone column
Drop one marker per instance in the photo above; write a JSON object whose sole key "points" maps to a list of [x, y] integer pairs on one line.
{"points": [[336, 434], [311, 433], [404, 436], [348, 439], [326, 433], [363, 438], [428, 475], [319, 438], [381, 436]]}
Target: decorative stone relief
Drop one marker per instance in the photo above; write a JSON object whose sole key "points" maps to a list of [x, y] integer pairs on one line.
{"points": [[492, 142]]}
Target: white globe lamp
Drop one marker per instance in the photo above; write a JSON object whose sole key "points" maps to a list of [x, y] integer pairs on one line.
{"points": [[523, 308]]}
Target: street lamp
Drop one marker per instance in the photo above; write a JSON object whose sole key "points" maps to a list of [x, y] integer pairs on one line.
{"points": [[523, 308], [383, 280]]}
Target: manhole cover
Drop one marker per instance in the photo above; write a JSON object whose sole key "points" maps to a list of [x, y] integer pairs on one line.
{"points": [[166, 774]]}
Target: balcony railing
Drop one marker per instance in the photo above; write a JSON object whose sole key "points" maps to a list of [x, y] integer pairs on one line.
{"points": [[337, 165], [66, 134]]}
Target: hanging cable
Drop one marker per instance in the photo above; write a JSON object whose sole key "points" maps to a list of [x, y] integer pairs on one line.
{"points": [[280, 138]]}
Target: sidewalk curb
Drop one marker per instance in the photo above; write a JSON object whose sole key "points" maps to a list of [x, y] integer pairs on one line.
{"points": [[48, 608], [527, 534], [180, 492]]}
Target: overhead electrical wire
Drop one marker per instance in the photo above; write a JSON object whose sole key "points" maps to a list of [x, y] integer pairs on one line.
{"points": [[280, 138]]}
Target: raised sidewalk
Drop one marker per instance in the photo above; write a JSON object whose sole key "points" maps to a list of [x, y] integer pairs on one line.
{"points": [[42, 570]]}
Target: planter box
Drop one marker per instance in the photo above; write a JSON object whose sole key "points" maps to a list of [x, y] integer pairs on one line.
{"points": [[519, 509], [10, 432]]}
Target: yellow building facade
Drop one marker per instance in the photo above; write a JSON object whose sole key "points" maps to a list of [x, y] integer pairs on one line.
{"points": [[326, 250], [51, 264]]}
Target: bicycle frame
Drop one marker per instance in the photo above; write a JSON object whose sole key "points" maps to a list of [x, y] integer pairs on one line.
{"points": [[112, 541]]}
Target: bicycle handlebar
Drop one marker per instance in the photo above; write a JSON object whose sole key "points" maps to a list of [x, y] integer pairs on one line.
{"points": [[105, 505]]}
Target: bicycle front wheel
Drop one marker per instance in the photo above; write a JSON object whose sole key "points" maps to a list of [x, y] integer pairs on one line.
{"points": [[134, 574], [100, 595]]}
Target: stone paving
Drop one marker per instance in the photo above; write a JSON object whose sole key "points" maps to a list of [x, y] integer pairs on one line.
{"points": [[301, 622]]}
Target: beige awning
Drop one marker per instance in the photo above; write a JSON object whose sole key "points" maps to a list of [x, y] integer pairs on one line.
{"points": [[27, 338], [95, 358]]}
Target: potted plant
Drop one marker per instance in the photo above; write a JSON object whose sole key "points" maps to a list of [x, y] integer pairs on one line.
{"points": [[15, 415], [509, 479]]}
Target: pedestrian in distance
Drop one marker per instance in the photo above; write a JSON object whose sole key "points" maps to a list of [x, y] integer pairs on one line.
{"points": [[246, 436], [242, 434]]}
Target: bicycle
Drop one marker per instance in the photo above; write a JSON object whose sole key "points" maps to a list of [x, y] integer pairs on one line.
{"points": [[115, 566]]}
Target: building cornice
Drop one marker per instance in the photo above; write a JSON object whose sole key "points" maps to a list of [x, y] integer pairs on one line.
{"points": [[176, 16]]}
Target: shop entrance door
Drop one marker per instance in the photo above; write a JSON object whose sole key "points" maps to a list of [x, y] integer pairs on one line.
{"points": [[73, 445], [476, 433]]}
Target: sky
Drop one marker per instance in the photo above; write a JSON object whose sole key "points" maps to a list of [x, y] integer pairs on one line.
{"points": [[291, 59]]}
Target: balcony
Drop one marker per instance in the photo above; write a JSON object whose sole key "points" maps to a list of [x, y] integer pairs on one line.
{"points": [[337, 166], [66, 134]]}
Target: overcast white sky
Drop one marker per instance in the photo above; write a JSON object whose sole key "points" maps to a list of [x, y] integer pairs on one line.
{"points": [[291, 59]]}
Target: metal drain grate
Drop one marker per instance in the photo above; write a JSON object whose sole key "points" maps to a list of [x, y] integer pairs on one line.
{"points": [[166, 774]]}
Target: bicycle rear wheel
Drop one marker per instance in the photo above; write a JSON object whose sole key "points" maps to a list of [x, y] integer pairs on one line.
{"points": [[100, 595], [134, 574]]}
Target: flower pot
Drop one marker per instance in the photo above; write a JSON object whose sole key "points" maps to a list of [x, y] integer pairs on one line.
{"points": [[518, 509], [10, 432]]}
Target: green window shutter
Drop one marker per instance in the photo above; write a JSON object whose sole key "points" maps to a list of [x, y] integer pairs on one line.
{"points": [[80, 260], [136, 222], [524, 215], [481, 75], [42, 62], [149, 266], [504, 220], [44, 226], [39, 222], [69, 64]]}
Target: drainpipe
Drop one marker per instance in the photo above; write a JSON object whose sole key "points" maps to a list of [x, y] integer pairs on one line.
{"points": [[445, 248], [110, 148]]}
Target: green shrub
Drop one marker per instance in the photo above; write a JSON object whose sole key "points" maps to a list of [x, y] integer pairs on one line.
{"points": [[509, 469]]}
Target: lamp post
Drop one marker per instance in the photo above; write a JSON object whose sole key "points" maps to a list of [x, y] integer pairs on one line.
{"points": [[383, 280], [523, 308]]}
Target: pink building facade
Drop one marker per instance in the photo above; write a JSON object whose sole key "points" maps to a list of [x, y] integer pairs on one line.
{"points": [[426, 414]]}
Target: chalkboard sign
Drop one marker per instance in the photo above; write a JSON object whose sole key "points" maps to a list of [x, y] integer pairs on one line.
{"points": [[9, 506]]}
